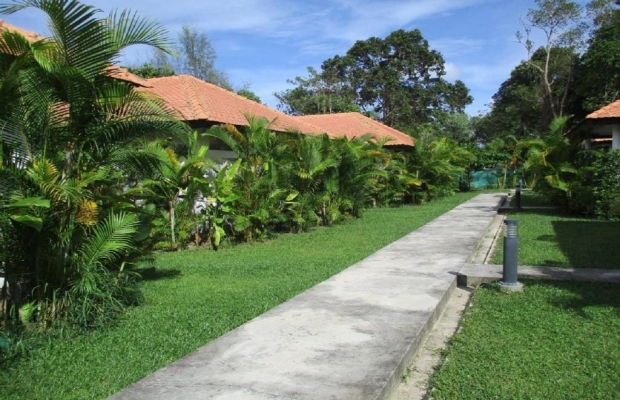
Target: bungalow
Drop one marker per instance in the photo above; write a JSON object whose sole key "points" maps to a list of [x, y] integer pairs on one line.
{"points": [[601, 129], [203, 105]]}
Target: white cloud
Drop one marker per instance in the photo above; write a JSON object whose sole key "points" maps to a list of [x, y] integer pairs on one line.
{"points": [[453, 72], [269, 41], [368, 18], [453, 47]]}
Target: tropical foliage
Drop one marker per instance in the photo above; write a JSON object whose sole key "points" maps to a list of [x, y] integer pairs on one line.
{"points": [[70, 157]]}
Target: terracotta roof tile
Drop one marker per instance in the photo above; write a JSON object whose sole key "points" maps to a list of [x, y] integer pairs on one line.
{"points": [[122, 74], [114, 71], [609, 111], [30, 36], [354, 124], [194, 100]]}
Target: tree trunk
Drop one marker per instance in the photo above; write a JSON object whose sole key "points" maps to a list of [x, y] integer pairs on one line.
{"points": [[171, 205]]}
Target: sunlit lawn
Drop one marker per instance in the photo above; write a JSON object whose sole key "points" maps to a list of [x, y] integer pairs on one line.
{"points": [[193, 297]]}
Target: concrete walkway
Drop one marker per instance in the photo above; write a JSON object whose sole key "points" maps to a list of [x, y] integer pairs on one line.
{"points": [[349, 337]]}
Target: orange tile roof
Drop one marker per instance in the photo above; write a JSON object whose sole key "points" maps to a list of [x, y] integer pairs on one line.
{"points": [[122, 74], [29, 35], [611, 110], [113, 71], [354, 124], [195, 100]]}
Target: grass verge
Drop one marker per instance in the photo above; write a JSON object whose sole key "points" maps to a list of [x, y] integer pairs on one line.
{"points": [[556, 340], [547, 238], [193, 297]]}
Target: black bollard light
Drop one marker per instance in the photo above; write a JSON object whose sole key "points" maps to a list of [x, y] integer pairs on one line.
{"points": [[509, 281], [518, 194]]}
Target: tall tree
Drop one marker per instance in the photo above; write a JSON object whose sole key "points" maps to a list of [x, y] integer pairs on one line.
{"points": [[398, 79], [318, 93], [520, 107], [560, 21], [599, 67], [197, 57], [194, 55]]}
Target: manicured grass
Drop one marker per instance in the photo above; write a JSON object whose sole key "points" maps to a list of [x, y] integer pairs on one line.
{"points": [[194, 297], [553, 341], [547, 238]]}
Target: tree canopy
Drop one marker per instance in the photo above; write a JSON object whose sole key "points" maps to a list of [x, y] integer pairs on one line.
{"points": [[398, 79], [566, 75]]}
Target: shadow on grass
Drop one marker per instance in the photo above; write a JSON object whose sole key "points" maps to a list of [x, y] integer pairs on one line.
{"points": [[589, 244], [154, 274], [531, 199], [584, 297]]}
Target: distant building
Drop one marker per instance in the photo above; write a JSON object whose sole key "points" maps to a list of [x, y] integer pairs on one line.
{"points": [[601, 129]]}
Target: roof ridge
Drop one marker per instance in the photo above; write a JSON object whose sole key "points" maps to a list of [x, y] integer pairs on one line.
{"points": [[197, 99]]}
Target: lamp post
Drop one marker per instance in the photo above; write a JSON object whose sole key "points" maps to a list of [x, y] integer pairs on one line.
{"points": [[518, 194], [509, 281]]}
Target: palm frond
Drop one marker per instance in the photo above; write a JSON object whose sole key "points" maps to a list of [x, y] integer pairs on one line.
{"points": [[108, 241], [128, 28]]}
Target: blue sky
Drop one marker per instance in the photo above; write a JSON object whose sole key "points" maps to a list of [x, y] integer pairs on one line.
{"points": [[266, 42]]}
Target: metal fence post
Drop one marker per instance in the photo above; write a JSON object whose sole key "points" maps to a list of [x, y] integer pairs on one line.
{"points": [[518, 194]]}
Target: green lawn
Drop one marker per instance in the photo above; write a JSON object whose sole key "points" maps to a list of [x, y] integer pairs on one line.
{"points": [[547, 238], [553, 341], [194, 297]]}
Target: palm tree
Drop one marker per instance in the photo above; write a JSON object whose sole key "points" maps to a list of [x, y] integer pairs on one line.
{"points": [[177, 178], [439, 164], [261, 182], [80, 126], [548, 159]]}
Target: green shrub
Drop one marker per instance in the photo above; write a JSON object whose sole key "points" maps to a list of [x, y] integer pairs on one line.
{"points": [[606, 185]]}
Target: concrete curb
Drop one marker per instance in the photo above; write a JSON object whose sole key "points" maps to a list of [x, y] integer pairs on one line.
{"points": [[416, 345], [482, 250], [488, 242]]}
